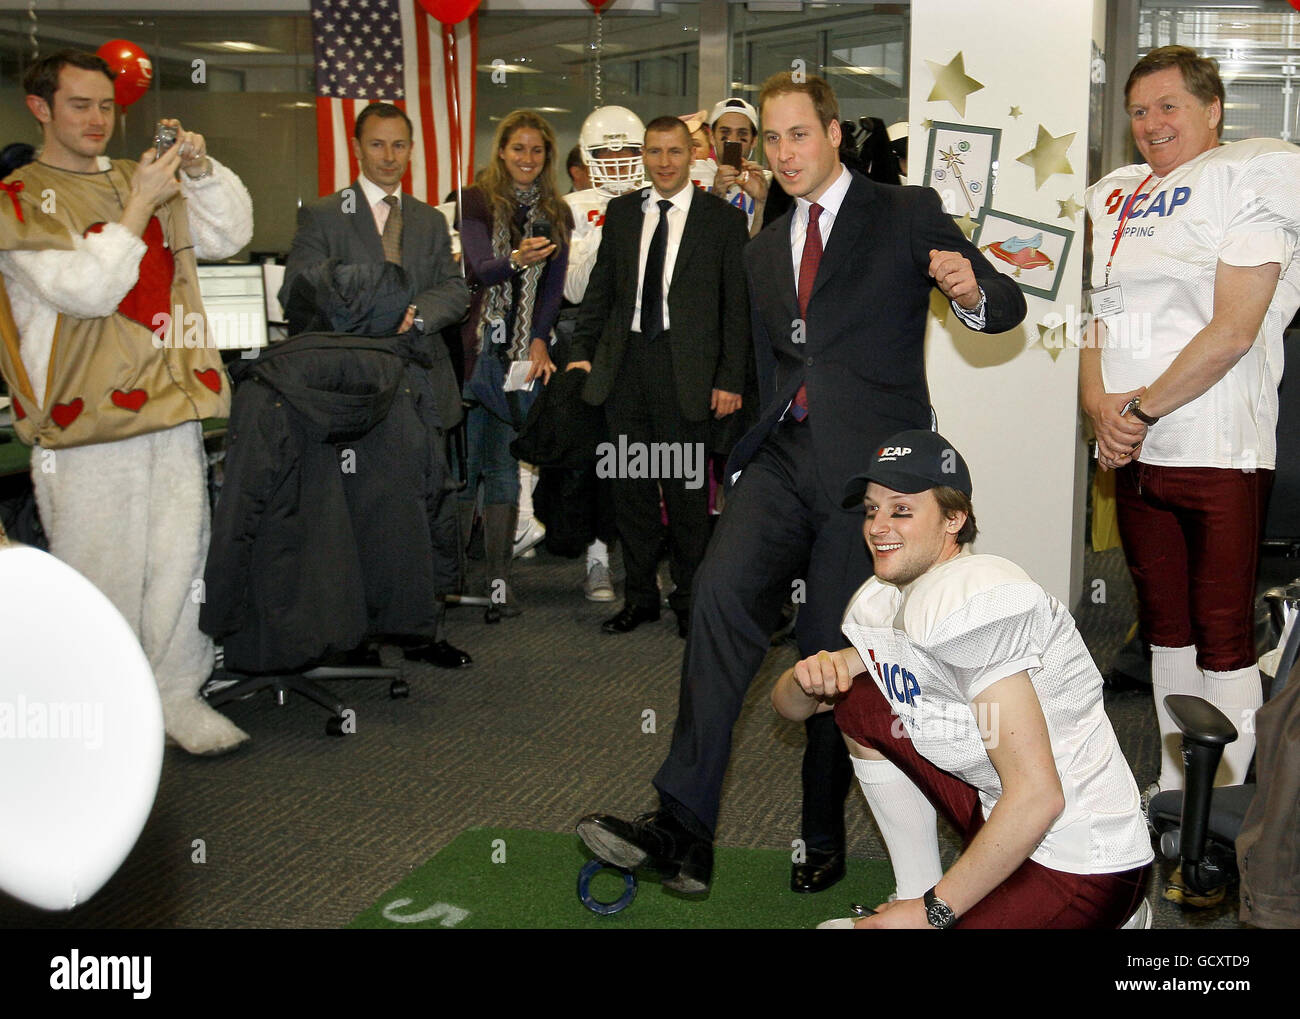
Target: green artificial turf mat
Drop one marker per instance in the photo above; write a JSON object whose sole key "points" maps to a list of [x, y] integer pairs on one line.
{"points": [[511, 878]]}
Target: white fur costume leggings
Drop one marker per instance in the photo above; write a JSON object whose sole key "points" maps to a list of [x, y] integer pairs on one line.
{"points": [[132, 517]]}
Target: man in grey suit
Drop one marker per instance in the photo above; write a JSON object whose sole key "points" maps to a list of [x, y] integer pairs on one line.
{"points": [[373, 221]]}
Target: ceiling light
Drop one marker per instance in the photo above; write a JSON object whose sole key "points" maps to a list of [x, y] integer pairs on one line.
{"points": [[234, 46]]}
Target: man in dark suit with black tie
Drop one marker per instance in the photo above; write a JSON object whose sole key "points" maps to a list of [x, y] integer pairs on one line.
{"points": [[373, 221], [840, 290], [664, 333]]}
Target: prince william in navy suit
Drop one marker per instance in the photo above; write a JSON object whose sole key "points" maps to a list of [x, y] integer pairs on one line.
{"points": [[840, 291]]}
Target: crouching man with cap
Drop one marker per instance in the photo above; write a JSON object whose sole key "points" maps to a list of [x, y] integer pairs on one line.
{"points": [[968, 690]]}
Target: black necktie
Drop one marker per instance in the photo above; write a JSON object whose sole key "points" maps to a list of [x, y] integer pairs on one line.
{"points": [[652, 284]]}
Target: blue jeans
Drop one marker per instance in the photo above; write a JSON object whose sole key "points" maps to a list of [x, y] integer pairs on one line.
{"points": [[487, 442]]}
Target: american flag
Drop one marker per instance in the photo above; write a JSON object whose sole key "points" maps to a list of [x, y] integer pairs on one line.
{"points": [[393, 51]]}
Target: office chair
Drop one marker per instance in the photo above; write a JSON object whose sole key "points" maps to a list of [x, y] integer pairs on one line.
{"points": [[309, 558]]}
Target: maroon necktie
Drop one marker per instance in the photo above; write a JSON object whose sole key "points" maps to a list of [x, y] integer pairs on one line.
{"points": [[808, 263]]}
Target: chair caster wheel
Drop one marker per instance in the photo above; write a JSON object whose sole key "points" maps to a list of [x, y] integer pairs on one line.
{"points": [[589, 870], [334, 726], [399, 688]]}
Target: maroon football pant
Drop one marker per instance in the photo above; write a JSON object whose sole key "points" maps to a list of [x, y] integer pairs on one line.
{"points": [[1191, 537], [1033, 896]]}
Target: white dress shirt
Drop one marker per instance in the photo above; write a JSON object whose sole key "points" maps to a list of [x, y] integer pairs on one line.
{"points": [[375, 196], [831, 200], [676, 224]]}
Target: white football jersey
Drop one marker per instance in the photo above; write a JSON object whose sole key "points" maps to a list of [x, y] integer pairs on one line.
{"points": [[1239, 204], [959, 629], [702, 173], [588, 209]]}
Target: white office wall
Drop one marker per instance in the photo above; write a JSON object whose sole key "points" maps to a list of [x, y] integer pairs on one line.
{"points": [[1003, 400]]}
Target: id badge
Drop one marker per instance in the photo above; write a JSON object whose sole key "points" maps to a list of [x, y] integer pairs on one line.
{"points": [[1107, 301]]}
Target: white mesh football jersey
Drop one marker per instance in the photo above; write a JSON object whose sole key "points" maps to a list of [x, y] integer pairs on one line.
{"points": [[954, 632], [588, 209], [1240, 204], [702, 173]]}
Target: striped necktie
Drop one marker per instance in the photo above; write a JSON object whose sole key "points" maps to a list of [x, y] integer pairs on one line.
{"points": [[392, 237]]}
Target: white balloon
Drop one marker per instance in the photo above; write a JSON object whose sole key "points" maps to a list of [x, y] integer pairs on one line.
{"points": [[81, 733]]}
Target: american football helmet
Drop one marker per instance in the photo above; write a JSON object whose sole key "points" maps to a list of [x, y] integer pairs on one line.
{"points": [[611, 140]]}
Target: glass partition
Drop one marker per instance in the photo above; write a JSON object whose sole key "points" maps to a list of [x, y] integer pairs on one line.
{"points": [[1257, 46]]}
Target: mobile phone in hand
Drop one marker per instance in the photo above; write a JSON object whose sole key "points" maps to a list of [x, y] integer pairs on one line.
{"points": [[731, 154], [542, 228]]}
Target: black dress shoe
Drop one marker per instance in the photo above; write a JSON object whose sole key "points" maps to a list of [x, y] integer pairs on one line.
{"points": [[629, 618], [819, 871], [366, 656], [440, 654], [658, 841], [683, 622]]}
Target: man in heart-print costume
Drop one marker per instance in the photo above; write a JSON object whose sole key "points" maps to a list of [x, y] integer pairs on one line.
{"points": [[111, 368]]}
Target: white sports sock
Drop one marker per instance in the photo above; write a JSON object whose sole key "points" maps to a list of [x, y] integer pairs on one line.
{"points": [[907, 821], [1173, 670], [527, 479], [597, 553], [1237, 694]]}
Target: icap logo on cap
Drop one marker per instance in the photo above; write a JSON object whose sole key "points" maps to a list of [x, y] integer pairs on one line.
{"points": [[893, 452]]}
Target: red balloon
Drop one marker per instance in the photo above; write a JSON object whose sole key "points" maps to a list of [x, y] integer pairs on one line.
{"points": [[132, 70], [450, 12]]}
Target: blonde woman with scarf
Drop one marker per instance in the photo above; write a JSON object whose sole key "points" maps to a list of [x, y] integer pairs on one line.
{"points": [[515, 235]]}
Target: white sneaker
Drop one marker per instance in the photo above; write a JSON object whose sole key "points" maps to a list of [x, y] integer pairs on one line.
{"points": [[528, 536], [1140, 920], [598, 586], [1148, 794]]}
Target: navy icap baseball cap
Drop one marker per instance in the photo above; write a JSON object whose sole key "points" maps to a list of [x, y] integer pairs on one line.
{"points": [[912, 461]]}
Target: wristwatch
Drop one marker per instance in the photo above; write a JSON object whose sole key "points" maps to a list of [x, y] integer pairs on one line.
{"points": [[514, 260], [937, 912], [1135, 405]]}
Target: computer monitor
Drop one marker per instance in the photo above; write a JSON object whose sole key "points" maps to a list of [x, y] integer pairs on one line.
{"points": [[234, 296]]}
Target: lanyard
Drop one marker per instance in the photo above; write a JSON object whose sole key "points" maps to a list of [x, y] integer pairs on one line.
{"points": [[1128, 209]]}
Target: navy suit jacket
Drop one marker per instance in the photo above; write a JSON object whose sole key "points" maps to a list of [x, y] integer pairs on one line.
{"points": [[861, 347]]}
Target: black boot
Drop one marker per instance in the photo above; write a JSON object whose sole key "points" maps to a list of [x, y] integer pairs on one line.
{"points": [[499, 521]]}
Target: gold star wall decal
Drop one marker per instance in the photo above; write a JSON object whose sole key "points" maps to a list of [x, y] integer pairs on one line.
{"points": [[1048, 156], [1069, 208], [967, 226], [952, 84], [1015, 113], [1052, 338]]}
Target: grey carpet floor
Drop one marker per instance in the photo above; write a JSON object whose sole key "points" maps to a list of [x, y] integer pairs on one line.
{"points": [[554, 719]]}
